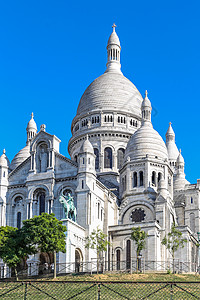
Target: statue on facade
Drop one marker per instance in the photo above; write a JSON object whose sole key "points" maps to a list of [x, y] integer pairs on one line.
{"points": [[69, 208], [43, 160]]}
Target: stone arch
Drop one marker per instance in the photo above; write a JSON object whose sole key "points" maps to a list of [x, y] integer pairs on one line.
{"points": [[137, 204], [40, 141], [41, 186], [78, 260]]}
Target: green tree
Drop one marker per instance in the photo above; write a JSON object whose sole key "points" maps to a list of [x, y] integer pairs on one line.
{"points": [[173, 241], [97, 241], [45, 233], [13, 247], [139, 237]]}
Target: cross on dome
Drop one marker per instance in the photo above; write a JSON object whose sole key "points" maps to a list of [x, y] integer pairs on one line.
{"points": [[32, 115], [146, 93], [4, 151], [114, 26]]}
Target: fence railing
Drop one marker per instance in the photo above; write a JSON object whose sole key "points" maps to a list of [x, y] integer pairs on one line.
{"points": [[134, 265], [115, 290]]}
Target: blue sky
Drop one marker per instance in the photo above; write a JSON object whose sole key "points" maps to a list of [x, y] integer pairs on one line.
{"points": [[50, 51]]}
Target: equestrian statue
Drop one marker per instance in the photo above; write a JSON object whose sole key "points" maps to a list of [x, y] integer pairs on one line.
{"points": [[69, 208]]}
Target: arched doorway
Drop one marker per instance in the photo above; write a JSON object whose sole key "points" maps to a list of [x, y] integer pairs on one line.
{"points": [[78, 261], [46, 261]]}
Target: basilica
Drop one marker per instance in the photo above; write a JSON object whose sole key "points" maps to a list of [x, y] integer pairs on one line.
{"points": [[121, 174]]}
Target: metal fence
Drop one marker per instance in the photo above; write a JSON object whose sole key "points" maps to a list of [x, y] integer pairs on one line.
{"points": [[98, 290], [33, 270]]}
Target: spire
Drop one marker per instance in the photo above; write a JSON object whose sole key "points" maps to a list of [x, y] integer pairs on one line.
{"points": [[180, 181], [31, 128], [113, 52], [171, 145], [146, 109]]}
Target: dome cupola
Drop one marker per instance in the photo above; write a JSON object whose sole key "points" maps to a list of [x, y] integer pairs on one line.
{"points": [[113, 52], [146, 141], [4, 161], [31, 128]]}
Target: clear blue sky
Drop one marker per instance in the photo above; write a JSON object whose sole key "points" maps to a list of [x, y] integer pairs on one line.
{"points": [[50, 51]]}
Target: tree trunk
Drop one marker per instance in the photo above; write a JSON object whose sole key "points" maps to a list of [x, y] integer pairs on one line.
{"points": [[173, 263], [97, 263], [54, 260], [16, 274]]}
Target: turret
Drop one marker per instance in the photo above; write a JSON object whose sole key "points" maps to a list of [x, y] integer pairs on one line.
{"points": [[31, 129], [171, 146], [146, 110], [4, 167], [179, 181], [86, 158], [113, 52]]}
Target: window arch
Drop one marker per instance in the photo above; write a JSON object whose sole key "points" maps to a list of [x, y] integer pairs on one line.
{"points": [[19, 219], [96, 152], [134, 179], [108, 158], [120, 157], [159, 176], [141, 178], [118, 259], [39, 195]]}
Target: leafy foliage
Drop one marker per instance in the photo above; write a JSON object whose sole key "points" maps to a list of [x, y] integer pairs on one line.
{"points": [[45, 232], [139, 237], [97, 241], [174, 240], [13, 247]]}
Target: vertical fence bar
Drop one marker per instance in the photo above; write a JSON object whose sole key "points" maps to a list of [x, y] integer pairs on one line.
{"points": [[99, 291], [25, 291]]}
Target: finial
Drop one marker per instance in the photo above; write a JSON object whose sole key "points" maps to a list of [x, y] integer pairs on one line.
{"points": [[180, 151], [114, 26], [170, 123], [146, 93], [43, 127], [86, 136], [4, 151], [32, 115]]}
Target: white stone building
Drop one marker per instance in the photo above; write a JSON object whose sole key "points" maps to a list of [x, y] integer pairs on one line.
{"points": [[121, 174]]}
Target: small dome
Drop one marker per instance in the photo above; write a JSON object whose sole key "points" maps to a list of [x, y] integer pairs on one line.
{"points": [[146, 141], [4, 161], [21, 156], [146, 102], [31, 124], [113, 39], [86, 147], [180, 159]]}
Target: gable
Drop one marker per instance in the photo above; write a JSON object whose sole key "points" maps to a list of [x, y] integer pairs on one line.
{"points": [[20, 174], [64, 166]]}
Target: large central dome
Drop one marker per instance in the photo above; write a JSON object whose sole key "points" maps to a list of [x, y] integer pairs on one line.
{"points": [[111, 91]]}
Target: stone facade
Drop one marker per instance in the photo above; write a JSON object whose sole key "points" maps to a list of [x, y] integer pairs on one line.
{"points": [[121, 174]]}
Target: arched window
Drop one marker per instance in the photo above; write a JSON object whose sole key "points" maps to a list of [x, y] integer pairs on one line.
{"points": [[153, 179], [76, 158], [134, 179], [120, 157], [118, 259], [96, 152], [42, 203], [128, 254], [108, 158], [159, 176], [141, 178], [19, 219]]}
